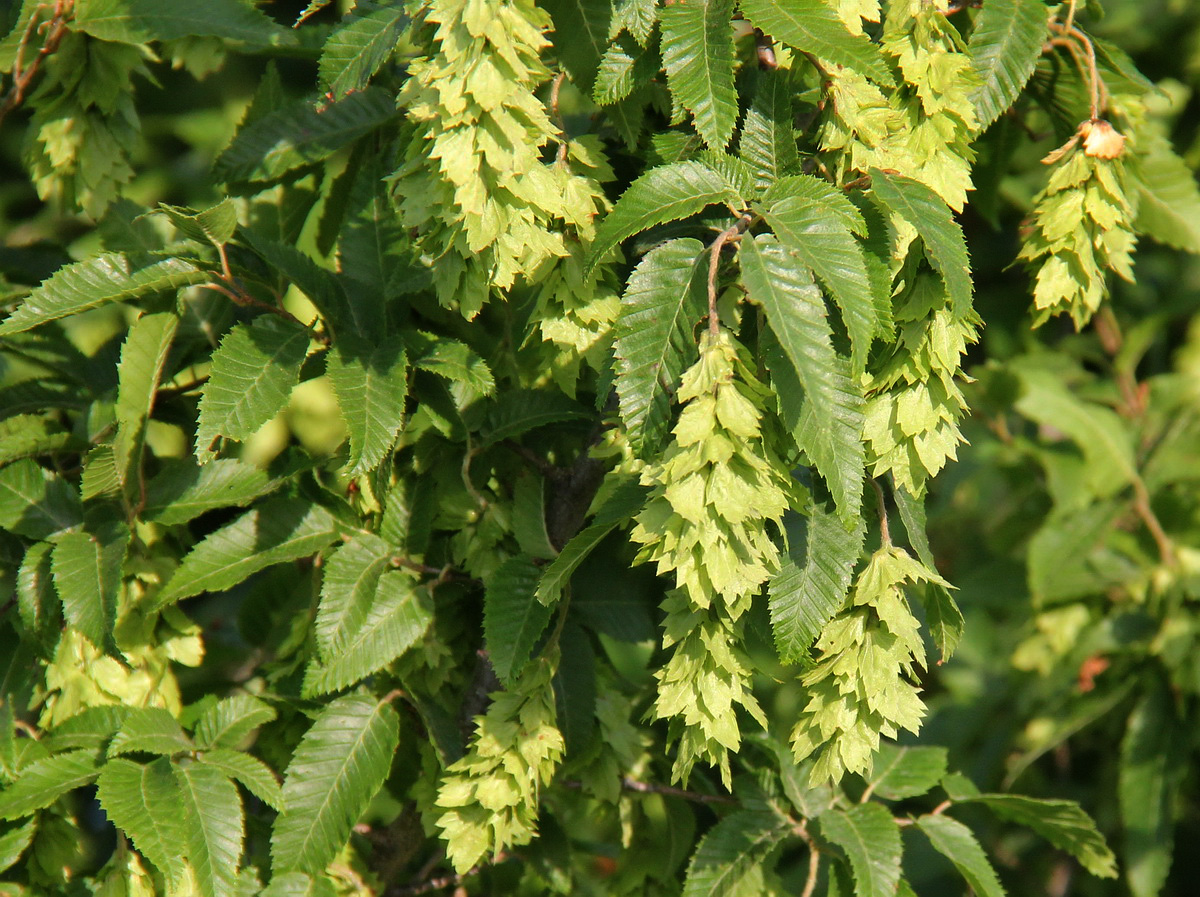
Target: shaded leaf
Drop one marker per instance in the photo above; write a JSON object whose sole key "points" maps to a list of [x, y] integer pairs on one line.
{"points": [[580, 36], [45, 781], [449, 358], [513, 618], [361, 43], [767, 141], [942, 615], [518, 411], [870, 838], [36, 503], [214, 225], [143, 358], [957, 843], [1006, 43], [143, 21], [183, 490], [370, 379]]}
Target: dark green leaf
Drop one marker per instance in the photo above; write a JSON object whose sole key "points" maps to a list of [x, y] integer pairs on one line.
{"points": [[450, 359], [810, 26], [529, 517], [870, 838], [45, 781], [942, 616], [729, 856], [902, 772], [1005, 46], [768, 141], [513, 618], [36, 503], [183, 490], [143, 358], [213, 225], [370, 379], [957, 843], [361, 43], [580, 36], [520, 410], [697, 47], [143, 21]]}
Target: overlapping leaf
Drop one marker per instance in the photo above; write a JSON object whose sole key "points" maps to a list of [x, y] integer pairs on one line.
{"points": [[87, 575], [142, 21], [513, 618], [870, 838], [698, 56], [45, 781], [729, 856], [1005, 45], [143, 802], [370, 379], [183, 490], [213, 827], [143, 357], [356, 49], [811, 26]]}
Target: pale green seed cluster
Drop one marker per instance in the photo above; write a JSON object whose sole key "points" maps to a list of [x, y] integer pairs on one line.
{"points": [[491, 795], [715, 489], [1082, 229], [863, 684]]}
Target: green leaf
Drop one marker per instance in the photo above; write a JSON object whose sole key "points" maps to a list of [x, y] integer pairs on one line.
{"points": [[319, 284], [903, 772], [339, 765], [944, 241], [228, 722], [371, 245], [667, 193], [213, 826], [275, 531], [1168, 207], [1061, 822], [449, 358], [45, 781], [151, 730], [625, 501], [183, 490], [87, 575], [697, 48], [297, 884], [768, 141], [253, 372], [36, 503], [624, 68], [780, 282], [143, 358], [513, 618], [31, 436], [870, 838], [529, 517], [359, 46], [1006, 43], [398, 617], [942, 615], [37, 600], [580, 36], [518, 411], [143, 801], [255, 775], [729, 856], [370, 379], [664, 300], [107, 277], [144, 21], [298, 135], [214, 225], [824, 243], [957, 843], [14, 841], [804, 598], [348, 590], [1154, 760], [91, 729], [811, 26]]}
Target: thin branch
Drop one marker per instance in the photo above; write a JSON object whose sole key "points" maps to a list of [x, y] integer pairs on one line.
{"points": [[814, 866], [885, 532], [55, 29], [764, 49], [630, 784], [714, 262], [445, 881]]}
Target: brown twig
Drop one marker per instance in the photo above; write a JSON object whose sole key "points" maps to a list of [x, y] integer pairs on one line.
{"points": [[445, 881], [714, 262], [814, 866], [885, 532], [640, 787], [55, 29]]}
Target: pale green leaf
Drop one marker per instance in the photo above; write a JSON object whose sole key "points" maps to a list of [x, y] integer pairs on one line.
{"points": [[370, 380], [870, 838], [36, 503], [663, 302], [275, 531], [359, 46], [780, 282], [253, 372], [107, 277], [143, 21], [942, 615], [811, 26], [339, 765], [254, 775], [944, 241], [298, 135], [804, 595], [228, 722], [1005, 46], [183, 490], [728, 857], [513, 618], [213, 827], [150, 730], [903, 772], [143, 802], [398, 617], [87, 576], [143, 358], [697, 48], [663, 194], [45, 781], [213, 225], [958, 844], [348, 590]]}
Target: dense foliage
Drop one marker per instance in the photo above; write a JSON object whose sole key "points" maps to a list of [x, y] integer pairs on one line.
{"points": [[486, 444]]}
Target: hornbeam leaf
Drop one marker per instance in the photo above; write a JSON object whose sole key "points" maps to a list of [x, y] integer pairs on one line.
{"points": [[942, 615], [143, 357], [254, 775], [14, 841], [339, 765], [370, 380], [781, 283], [803, 598], [580, 36], [663, 302], [957, 843], [1168, 206], [767, 141], [521, 410], [298, 884], [697, 48], [728, 858], [319, 284], [144, 21], [280, 530], [227, 723], [398, 617], [183, 490], [348, 589], [214, 225], [624, 68], [663, 194], [45, 781], [213, 826], [108, 277], [933, 220], [359, 45], [87, 575], [298, 134], [253, 372], [825, 244], [870, 838], [151, 730], [811, 26], [451, 359], [513, 618], [36, 503], [143, 801], [902, 772], [1005, 45]]}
